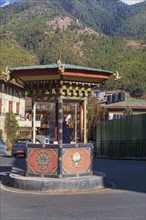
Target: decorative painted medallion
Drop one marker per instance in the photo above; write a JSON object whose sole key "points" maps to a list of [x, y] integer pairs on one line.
{"points": [[43, 160], [77, 159]]}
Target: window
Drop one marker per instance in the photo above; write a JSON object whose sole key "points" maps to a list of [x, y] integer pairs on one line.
{"points": [[10, 91], [7, 89], [117, 116], [10, 106], [0, 105], [17, 108], [37, 117]]}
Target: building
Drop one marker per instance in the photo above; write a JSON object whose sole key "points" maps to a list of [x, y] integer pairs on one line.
{"points": [[12, 100], [116, 110]]}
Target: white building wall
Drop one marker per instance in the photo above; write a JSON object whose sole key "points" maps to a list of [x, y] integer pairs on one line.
{"points": [[5, 108], [5, 103], [22, 107], [2, 120], [14, 105]]}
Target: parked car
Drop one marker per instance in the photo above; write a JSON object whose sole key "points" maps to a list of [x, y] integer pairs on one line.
{"points": [[3, 148], [19, 147], [45, 140]]}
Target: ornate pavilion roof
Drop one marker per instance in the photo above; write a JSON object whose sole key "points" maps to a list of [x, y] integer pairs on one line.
{"points": [[52, 66], [53, 80], [63, 72]]}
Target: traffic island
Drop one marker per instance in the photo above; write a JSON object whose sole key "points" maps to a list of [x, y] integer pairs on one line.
{"points": [[53, 169], [67, 164], [57, 185]]}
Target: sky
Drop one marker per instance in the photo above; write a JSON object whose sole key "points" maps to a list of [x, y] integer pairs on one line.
{"points": [[131, 2]]}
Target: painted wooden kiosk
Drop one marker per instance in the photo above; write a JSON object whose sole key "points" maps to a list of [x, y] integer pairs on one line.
{"points": [[60, 83]]}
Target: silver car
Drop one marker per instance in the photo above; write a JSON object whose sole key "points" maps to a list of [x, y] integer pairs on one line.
{"points": [[3, 148]]}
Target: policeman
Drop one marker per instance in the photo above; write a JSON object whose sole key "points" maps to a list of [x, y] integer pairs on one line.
{"points": [[66, 130]]}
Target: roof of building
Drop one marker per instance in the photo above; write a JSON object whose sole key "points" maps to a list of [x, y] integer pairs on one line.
{"points": [[66, 66], [60, 71], [132, 103], [12, 82]]}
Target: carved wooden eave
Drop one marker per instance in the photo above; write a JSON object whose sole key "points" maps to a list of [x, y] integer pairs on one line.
{"points": [[54, 89], [51, 81]]}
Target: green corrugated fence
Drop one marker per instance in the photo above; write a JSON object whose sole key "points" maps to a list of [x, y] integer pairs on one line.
{"points": [[122, 138]]}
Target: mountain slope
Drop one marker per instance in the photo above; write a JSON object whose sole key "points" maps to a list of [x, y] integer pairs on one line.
{"points": [[12, 54], [111, 17], [135, 23], [36, 31]]}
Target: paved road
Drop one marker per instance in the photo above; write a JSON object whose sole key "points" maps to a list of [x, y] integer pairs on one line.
{"points": [[127, 201]]}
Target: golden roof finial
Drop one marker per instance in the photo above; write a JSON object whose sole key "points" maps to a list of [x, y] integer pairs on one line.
{"points": [[61, 66], [6, 75], [59, 57], [116, 76]]}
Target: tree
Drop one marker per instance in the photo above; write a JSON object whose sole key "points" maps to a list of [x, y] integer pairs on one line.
{"points": [[128, 111], [11, 127], [96, 114]]}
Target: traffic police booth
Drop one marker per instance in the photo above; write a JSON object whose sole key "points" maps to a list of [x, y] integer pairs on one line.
{"points": [[60, 83]]}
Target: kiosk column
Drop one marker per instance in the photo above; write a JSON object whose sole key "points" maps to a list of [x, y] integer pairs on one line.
{"points": [[85, 121], [60, 135], [33, 120]]}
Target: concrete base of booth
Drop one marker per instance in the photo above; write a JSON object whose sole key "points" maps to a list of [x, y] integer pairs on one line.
{"points": [[55, 185]]}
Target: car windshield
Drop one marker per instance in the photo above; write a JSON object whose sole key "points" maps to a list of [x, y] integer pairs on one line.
{"points": [[23, 140]]}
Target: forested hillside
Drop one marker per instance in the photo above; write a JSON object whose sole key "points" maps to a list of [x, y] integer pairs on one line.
{"points": [[111, 17], [98, 33]]}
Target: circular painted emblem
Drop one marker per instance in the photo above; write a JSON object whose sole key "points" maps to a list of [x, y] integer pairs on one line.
{"points": [[60, 130], [43, 160], [76, 159]]}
